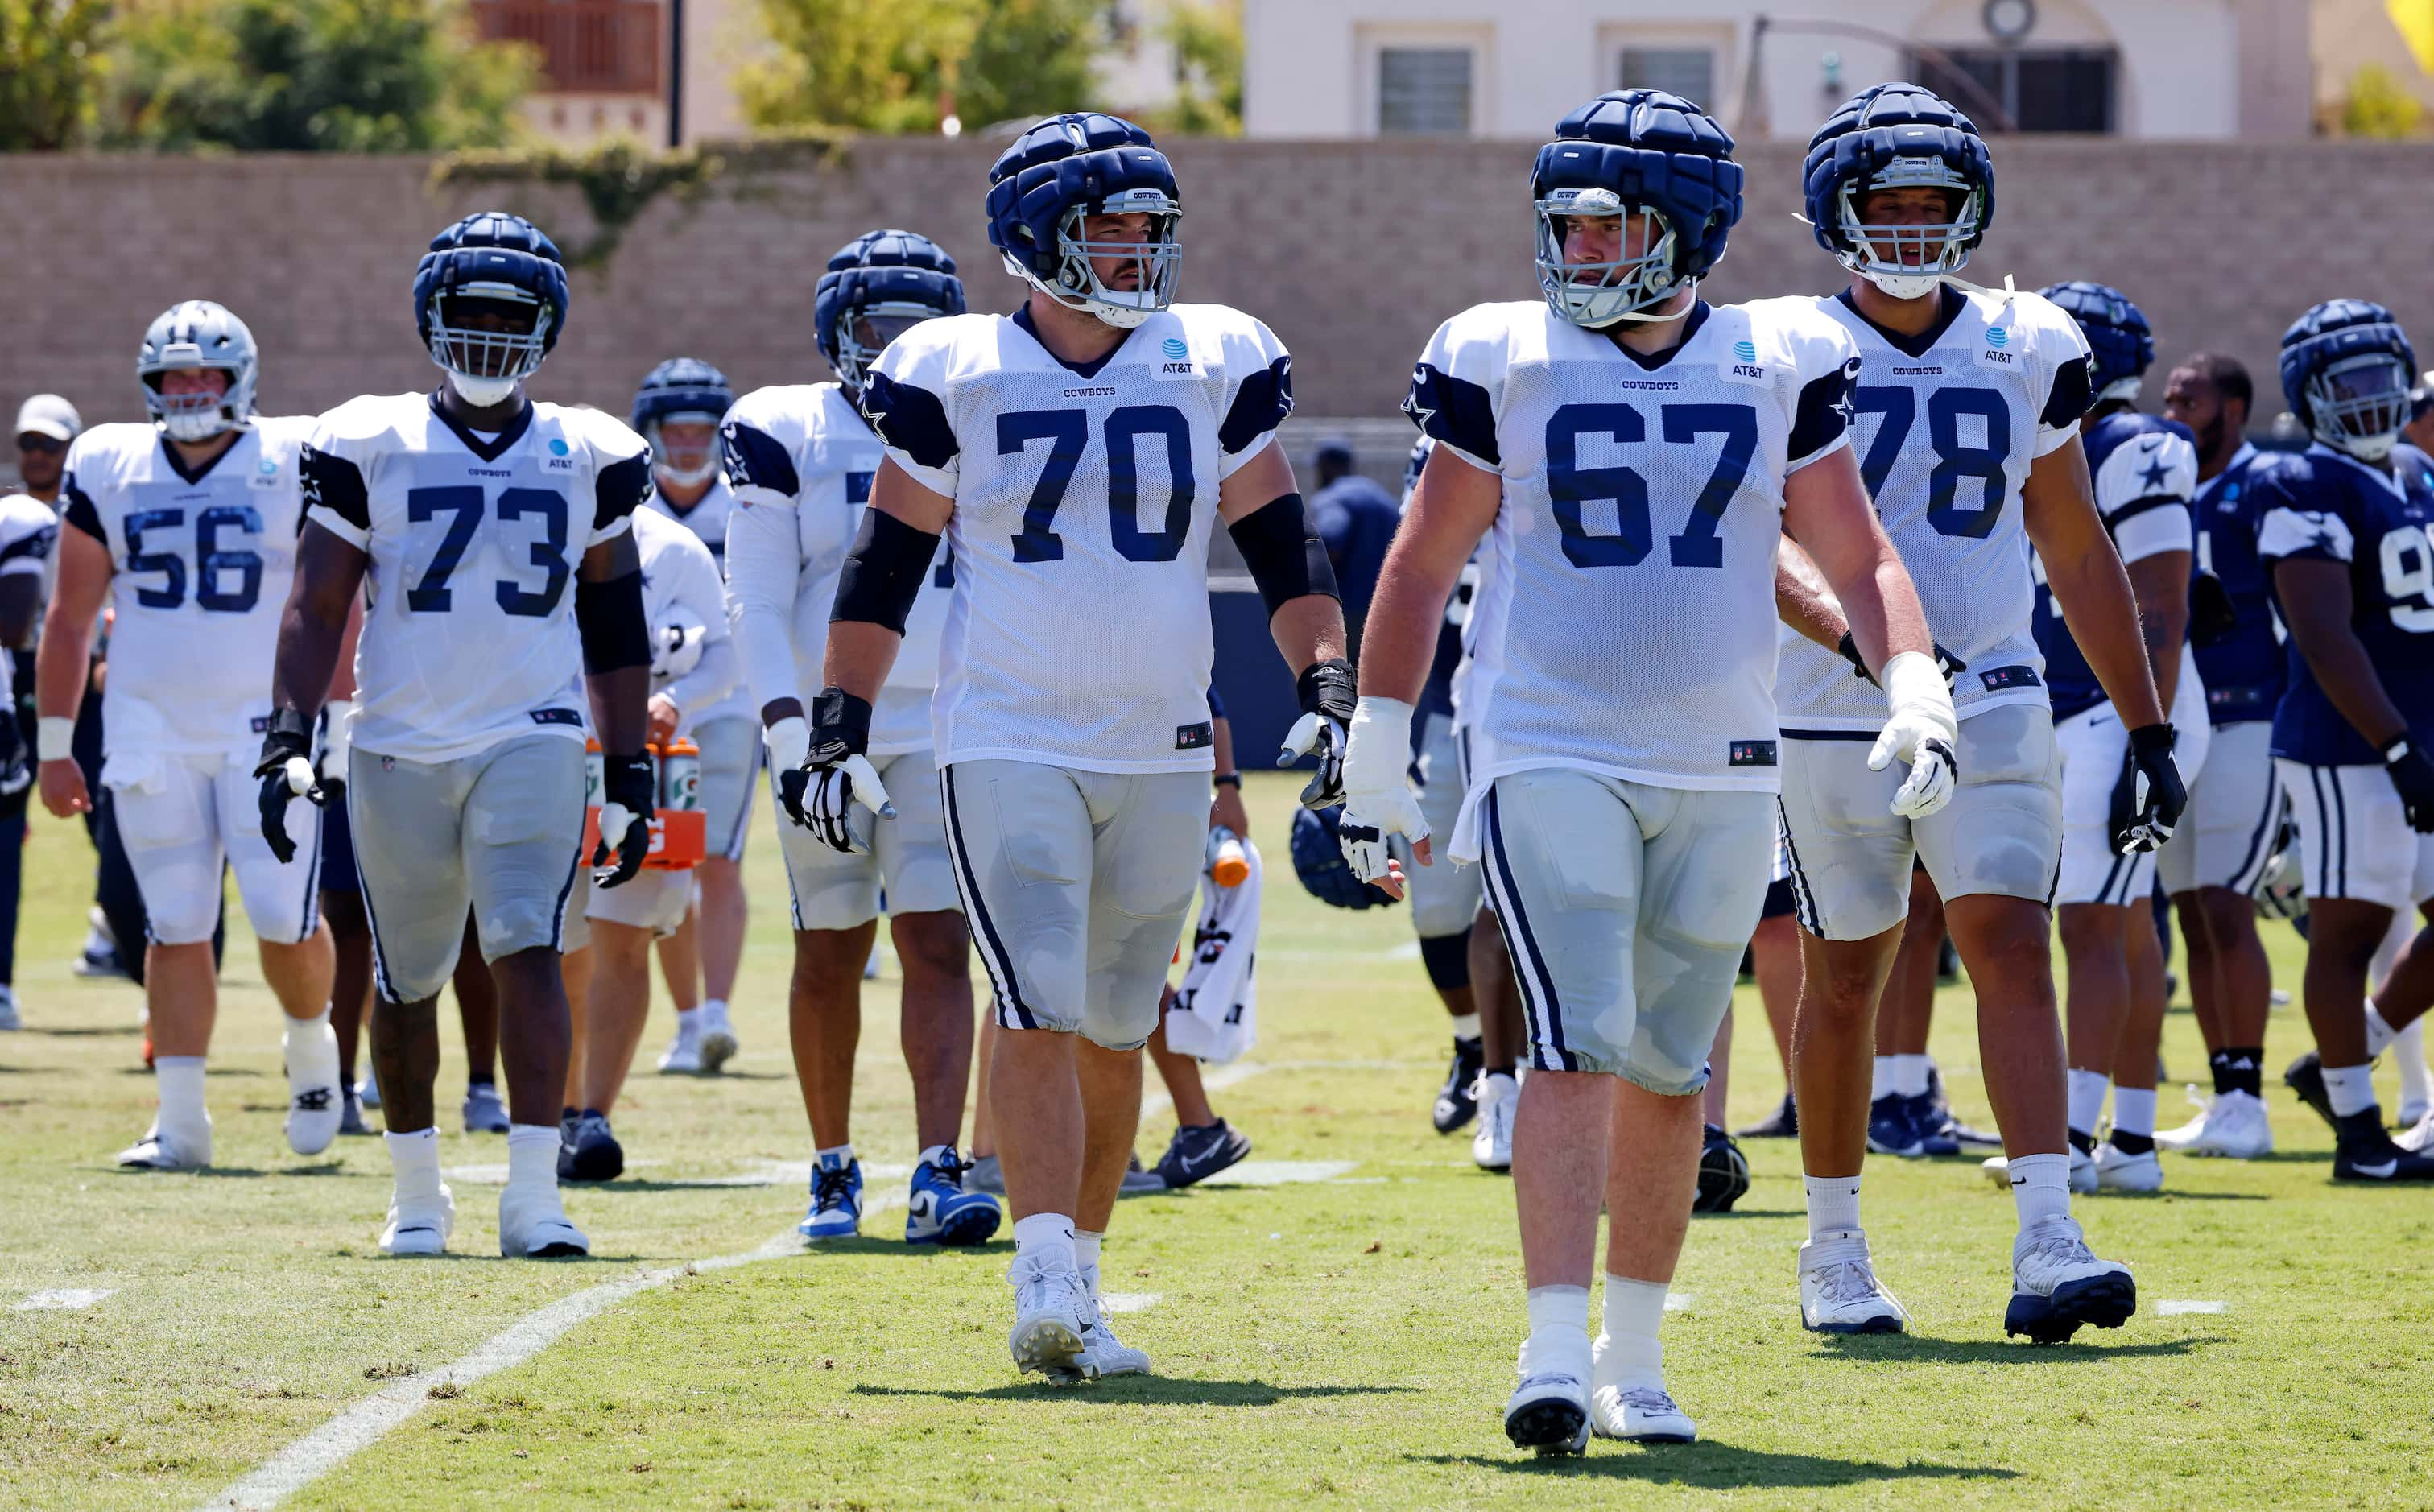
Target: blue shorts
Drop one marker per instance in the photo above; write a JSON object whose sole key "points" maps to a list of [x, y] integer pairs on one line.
{"points": [[338, 852]]}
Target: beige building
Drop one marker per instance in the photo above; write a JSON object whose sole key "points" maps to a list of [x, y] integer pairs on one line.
{"points": [[2153, 69]]}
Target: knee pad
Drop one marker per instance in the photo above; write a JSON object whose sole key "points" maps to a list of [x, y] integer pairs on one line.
{"points": [[1447, 958]]}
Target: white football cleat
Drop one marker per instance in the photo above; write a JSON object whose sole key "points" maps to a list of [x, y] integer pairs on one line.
{"points": [[2058, 1283], [8, 1018], [317, 1103], [2416, 1138], [1054, 1318], [1550, 1413], [533, 1225], [1491, 1142], [419, 1225], [1102, 1353], [1839, 1290], [1640, 1414], [2232, 1125], [718, 1044], [156, 1151], [2134, 1175], [683, 1056]]}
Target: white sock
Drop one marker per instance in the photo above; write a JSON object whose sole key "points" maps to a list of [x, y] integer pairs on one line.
{"points": [[1559, 1331], [1086, 1258], [1049, 1236], [2134, 1111], [1833, 1204], [2040, 1187], [1910, 1076], [309, 1047], [1465, 1026], [2087, 1090], [1882, 1083], [720, 1004], [178, 1081], [532, 1154], [933, 1155], [2409, 1054], [685, 1016], [2350, 1088], [1634, 1310], [2378, 1033], [843, 1152], [414, 1159]]}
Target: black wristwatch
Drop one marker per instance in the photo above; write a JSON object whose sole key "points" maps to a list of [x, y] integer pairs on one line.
{"points": [[1226, 780]]}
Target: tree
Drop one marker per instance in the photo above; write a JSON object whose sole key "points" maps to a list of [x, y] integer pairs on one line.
{"points": [[310, 76], [2378, 107], [1206, 36], [49, 66], [900, 65]]}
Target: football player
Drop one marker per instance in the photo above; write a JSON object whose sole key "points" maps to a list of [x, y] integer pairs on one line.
{"points": [[678, 410], [2145, 472], [186, 525], [29, 529], [1634, 456], [800, 459], [491, 537], [1077, 454], [694, 666], [2344, 531], [2212, 862], [1967, 434]]}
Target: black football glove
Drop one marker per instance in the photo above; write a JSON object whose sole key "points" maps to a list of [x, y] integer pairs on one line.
{"points": [[2412, 772], [835, 774], [286, 772], [1946, 662], [2147, 797], [1328, 699], [629, 797]]}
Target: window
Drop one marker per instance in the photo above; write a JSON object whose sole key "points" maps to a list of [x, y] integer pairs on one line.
{"points": [[1424, 91], [2042, 90], [1689, 72]]}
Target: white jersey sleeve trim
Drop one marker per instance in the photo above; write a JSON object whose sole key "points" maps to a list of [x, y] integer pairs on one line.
{"points": [[2153, 532], [2294, 533]]}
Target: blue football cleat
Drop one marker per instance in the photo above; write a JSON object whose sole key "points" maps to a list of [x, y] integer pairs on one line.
{"points": [[836, 1200], [1937, 1133], [940, 1212], [1891, 1130]]}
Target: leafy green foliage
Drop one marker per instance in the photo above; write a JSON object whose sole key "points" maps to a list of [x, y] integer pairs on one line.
{"points": [[1206, 36], [901, 65], [49, 71], [617, 179], [2378, 106], [309, 76]]}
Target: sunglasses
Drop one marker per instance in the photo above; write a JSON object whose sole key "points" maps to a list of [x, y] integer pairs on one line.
{"points": [[47, 445]]}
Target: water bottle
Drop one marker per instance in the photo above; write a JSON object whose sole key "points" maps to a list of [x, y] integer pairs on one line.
{"points": [[680, 776], [1228, 865]]}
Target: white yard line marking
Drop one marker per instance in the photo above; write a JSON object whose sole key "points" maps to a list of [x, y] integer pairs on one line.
{"points": [[1278, 1172], [1677, 1302], [2168, 1308], [1128, 1301], [69, 1297]]}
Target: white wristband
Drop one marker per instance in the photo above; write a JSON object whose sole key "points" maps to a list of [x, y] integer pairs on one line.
{"points": [[54, 739], [789, 741], [1380, 744]]}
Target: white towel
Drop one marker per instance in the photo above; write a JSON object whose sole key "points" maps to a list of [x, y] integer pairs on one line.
{"points": [[1215, 1013]]}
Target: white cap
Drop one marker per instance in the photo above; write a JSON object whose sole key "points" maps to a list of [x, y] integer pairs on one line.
{"points": [[48, 415]]}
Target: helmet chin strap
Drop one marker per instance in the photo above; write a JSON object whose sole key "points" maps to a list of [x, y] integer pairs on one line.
{"points": [[1659, 316], [689, 477], [482, 393]]}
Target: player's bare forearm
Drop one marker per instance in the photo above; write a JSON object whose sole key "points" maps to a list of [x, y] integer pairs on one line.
{"points": [[65, 660], [1826, 511], [342, 679], [2058, 505], [859, 657], [2160, 584], [621, 708], [313, 628], [1802, 601], [1454, 504], [1309, 629], [2316, 603]]}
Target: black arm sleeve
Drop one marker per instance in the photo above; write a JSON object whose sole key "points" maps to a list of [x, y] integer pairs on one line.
{"points": [[1286, 557], [614, 628], [883, 571]]}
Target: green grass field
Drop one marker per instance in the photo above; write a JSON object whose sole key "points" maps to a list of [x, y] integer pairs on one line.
{"points": [[1346, 1337]]}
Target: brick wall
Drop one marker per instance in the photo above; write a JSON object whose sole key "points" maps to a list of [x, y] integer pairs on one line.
{"points": [[1352, 251]]}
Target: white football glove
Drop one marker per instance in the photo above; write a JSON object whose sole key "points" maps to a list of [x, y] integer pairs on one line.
{"points": [[1377, 801], [1920, 729], [820, 795]]}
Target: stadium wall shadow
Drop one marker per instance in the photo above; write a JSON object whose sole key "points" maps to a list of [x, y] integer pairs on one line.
{"points": [[1351, 250]]}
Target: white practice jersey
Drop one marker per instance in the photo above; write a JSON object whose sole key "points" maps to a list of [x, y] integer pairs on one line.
{"points": [[29, 531], [202, 563], [1625, 616], [801, 461], [469, 620], [1078, 633], [1947, 425], [681, 583], [707, 520]]}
